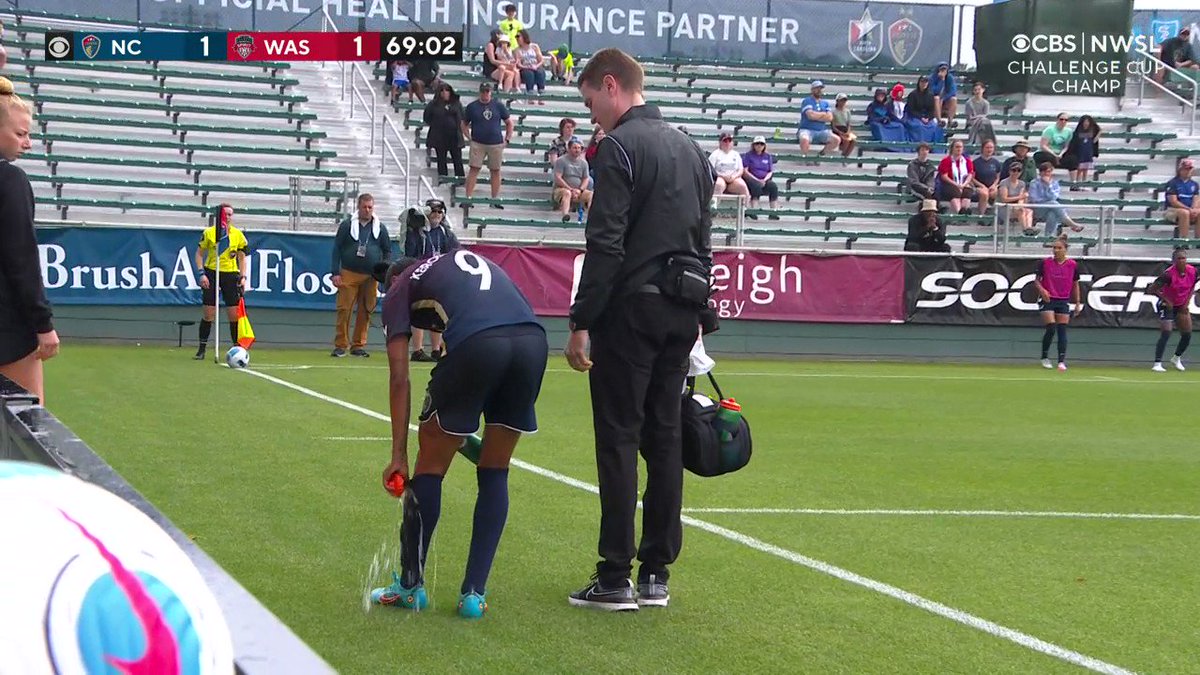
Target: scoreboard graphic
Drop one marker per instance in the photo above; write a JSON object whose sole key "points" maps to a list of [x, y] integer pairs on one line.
{"points": [[252, 46]]}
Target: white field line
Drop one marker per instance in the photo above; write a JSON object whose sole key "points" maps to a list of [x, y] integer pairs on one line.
{"points": [[945, 611], [357, 438], [1088, 379], [934, 512]]}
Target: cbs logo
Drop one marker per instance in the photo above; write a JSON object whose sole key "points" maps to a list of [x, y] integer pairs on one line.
{"points": [[58, 47], [1042, 44]]}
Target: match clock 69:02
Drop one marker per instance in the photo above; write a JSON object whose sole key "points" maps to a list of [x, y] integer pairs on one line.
{"points": [[438, 46]]}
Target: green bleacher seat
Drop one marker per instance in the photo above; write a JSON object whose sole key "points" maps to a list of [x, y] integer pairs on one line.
{"points": [[192, 168], [203, 190], [37, 81], [188, 149], [158, 72], [174, 110], [182, 128], [63, 204]]}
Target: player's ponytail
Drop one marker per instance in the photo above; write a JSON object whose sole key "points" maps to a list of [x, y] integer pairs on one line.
{"points": [[9, 101]]}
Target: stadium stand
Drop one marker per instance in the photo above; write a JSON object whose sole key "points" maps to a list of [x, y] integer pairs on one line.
{"points": [[162, 141]]}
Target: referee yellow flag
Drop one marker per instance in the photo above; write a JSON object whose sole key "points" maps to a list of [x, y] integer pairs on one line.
{"points": [[245, 333]]}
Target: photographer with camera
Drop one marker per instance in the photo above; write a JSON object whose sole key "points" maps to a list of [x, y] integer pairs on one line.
{"points": [[426, 235]]}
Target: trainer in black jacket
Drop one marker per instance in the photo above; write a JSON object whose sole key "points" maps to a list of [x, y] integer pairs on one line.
{"points": [[651, 204]]}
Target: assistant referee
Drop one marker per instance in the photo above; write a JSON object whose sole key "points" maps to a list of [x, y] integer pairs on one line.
{"points": [[653, 187]]}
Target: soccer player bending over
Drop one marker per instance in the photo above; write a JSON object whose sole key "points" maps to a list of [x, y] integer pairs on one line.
{"points": [[1174, 288], [1057, 281], [493, 367]]}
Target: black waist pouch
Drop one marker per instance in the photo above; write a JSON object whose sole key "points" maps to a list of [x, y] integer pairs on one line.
{"points": [[686, 281]]}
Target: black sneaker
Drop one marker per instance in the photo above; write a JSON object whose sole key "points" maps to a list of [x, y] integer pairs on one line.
{"points": [[199, 354], [596, 596], [338, 353], [359, 352], [498, 206], [652, 592], [420, 356]]}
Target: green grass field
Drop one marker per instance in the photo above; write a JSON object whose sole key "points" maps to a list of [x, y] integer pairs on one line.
{"points": [[250, 468]]}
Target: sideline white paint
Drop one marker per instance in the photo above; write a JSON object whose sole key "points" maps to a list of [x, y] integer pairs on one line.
{"points": [[945, 611], [934, 512]]}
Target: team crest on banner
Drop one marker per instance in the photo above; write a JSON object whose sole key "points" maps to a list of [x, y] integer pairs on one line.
{"points": [[865, 38], [904, 39], [244, 45], [91, 46], [1164, 30]]}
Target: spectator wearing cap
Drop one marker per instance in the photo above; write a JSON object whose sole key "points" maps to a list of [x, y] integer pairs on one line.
{"points": [[842, 125], [945, 94], [425, 236], [1178, 53], [1182, 208], [758, 168], [562, 64], [572, 180], [1023, 158], [925, 231], [422, 76], [816, 119], [922, 174], [727, 165], [920, 114], [883, 124], [482, 125], [558, 146], [1011, 196], [498, 62]]}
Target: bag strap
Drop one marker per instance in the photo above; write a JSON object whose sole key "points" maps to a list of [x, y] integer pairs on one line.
{"points": [[713, 380], [691, 386]]}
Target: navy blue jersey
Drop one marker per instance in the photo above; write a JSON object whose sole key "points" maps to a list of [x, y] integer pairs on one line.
{"points": [[458, 294]]}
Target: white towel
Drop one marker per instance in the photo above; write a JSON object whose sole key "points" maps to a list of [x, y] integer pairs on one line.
{"points": [[354, 228], [699, 361]]}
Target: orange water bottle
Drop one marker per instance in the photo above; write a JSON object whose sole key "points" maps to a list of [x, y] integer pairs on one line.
{"points": [[729, 416]]}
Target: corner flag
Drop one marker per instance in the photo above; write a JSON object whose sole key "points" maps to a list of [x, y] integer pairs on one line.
{"points": [[245, 334]]}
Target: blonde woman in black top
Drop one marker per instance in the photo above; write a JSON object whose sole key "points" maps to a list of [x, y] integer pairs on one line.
{"points": [[27, 335]]}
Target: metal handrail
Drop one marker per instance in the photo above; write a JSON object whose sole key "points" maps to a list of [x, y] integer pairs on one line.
{"points": [[356, 94], [1106, 227], [387, 149], [1195, 84]]}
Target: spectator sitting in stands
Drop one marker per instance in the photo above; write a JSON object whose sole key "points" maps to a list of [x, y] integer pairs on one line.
{"points": [[1015, 192], [843, 125], [1055, 139], [1022, 158], [899, 106], [510, 25], [498, 63], [422, 76], [987, 175], [443, 128], [922, 174], [532, 66], [1178, 53], [727, 164], [571, 180], [558, 146], [920, 115], [883, 124], [1045, 190], [945, 95], [1182, 208], [979, 126], [956, 174], [562, 64], [925, 231], [400, 80], [1082, 150], [759, 166], [815, 120]]}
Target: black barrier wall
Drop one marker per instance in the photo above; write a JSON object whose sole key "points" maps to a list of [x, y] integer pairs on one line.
{"points": [[1001, 292]]}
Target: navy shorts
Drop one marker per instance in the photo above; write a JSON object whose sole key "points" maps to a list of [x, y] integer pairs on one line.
{"points": [[1168, 313], [496, 373], [1056, 306]]}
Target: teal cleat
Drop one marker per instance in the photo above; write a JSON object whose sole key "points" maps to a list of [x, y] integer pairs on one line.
{"points": [[397, 594], [472, 606]]}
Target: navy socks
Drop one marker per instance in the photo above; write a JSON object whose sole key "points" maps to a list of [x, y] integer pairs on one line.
{"points": [[491, 512]]}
